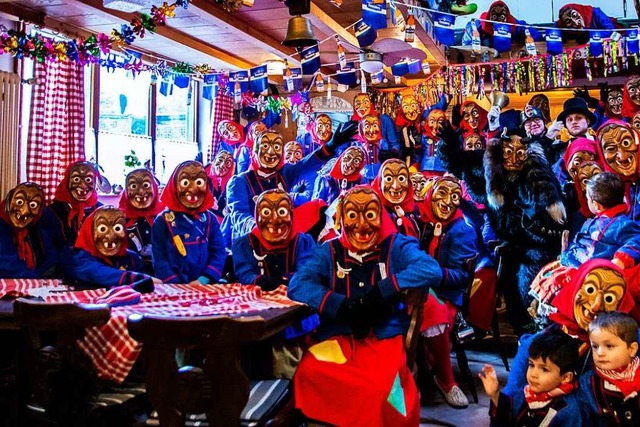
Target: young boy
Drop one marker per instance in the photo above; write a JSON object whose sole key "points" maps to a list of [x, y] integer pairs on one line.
{"points": [[547, 400], [610, 234], [609, 392]]}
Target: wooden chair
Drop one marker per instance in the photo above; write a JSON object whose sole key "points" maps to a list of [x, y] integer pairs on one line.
{"points": [[217, 389], [414, 299], [58, 383]]}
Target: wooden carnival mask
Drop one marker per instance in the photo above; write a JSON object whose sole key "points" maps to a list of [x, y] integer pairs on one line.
{"points": [[140, 189], [472, 142], [361, 218], [635, 122], [620, 148], [585, 171], [445, 199], [191, 184], [351, 161], [471, 115], [395, 181], [230, 131], [514, 153], [498, 12], [435, 119], [293, 152], [633, 89], [223, 164], [322, 128], [541, 102], [24, 204], [419, 182], [362, 105], [273, 216], [109, 226], [369, 128], [576, 160], [602, 290], [571, 18], [410, 107], [82, 181], [270, 149], [614, 100], [256, 129]]}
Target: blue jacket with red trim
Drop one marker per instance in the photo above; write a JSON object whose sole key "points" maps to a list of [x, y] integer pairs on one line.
{"points": [[605, 237], [334, 274], [89, 271], [514, 411], [203, 244], [605, 406]]}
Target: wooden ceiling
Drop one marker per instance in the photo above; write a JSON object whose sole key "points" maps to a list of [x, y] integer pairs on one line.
{"points": [[206, 33]]}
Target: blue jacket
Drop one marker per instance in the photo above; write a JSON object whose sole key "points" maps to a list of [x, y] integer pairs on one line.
{"points": [[92, 272], [282, 263], [61, 212], [605, 407], [328, 188], [604, 237], [202, 239], [242, 156], [41, 237], [634, 200], [459, 242], [244, 187], [331, 276], [514, 411]]}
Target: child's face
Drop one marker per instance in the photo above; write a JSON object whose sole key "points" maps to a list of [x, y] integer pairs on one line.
{"points": [[544, 375], [610, 351]]}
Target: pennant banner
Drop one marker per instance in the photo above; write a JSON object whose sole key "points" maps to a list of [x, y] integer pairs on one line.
{"points": [[347, 76], [443, 28], [166, 85], [364, 33], [554, 41], [310, 60], [502, 37], [632, 41], [241, 77], [259, 79], [182, 81], [210, 86], [595, 43], [374, 13], [293, 81], [376, 78]]}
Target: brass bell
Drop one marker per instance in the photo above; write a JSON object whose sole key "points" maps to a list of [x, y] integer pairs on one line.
{"points": [[299, 33], [498, 98]]}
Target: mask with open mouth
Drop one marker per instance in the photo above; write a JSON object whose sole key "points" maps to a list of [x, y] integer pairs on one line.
{"points": [[223, 164], [361, 105], [351, 161], [293, 152], [602, 290], [322, 128], [191, 184], [269, 149], [273, 216], [231, 132], [82, 181], [395, 181], [369, 129], [361, 218], [633, 89], [619, 144], [514, 153], [614, 101], [471, 115], [576, 160], [445, 199], [435, 120], [24, 204], [419, 182], [585, 171], [410, 107], [571, 18], [109, 227], [140, 189]]}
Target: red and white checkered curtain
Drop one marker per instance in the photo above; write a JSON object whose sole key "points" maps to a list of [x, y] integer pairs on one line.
{"points": [[222, 110], [57, 126]]}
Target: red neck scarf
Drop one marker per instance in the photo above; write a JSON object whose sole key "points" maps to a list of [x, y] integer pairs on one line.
{"points": [[585, 11], [132, 214], [626, 379], [269, 246], [25, 252], [487, 27], [622, 208], [403, 121], [170, 198], [77, 208], [427, 216], [629, 109], [85, 241], [539, 400]]}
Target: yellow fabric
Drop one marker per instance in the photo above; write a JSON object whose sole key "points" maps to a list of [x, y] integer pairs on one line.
{"points": [[328, 351]]}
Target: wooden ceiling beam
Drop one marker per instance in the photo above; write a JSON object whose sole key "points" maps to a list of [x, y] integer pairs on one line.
{"points": [[322, 20]]}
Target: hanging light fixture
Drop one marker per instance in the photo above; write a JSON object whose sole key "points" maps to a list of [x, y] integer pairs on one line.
{"points": [[125, 5]]}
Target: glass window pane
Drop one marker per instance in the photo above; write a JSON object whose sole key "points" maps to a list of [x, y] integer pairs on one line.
{"points": [[170, 153], [124, 102], [111, 151], [174, 115]]}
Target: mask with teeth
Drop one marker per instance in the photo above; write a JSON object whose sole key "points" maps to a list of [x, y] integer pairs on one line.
{"points": [[255, 129], [395, 181], [140, 189], [293, 152], [471, 115], [619, 145], [109, 226], [191, 184], [435, 119], [369, 129], [273, 216], [361, 218], [514, 153], [223, 164], [269, 149], [633, 89], [351, 161], [82, 181], [419, 182], [25, 204], [576, 159], [410, 108], [361, 105], [231, 132], [602, 290], [322, 128], [585, 171], [614, 101], [445, 199]]}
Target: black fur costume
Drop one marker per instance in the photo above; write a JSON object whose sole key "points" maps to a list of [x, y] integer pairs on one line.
{"points": [[520, 210]]}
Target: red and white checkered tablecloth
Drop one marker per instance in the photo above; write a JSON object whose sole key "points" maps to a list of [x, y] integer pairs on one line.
{"points": [[21, 287], [114, 352]]}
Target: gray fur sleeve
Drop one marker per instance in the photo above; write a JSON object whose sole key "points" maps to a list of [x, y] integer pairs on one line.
{"points": [[494, 174], [540, 178]]}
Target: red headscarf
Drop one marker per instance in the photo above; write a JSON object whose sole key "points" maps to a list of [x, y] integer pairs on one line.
{"points": [[219, 182], [427, 216], [64, 195], [487, 27], [580, 144], [387, 227], [170, 196], [85, 239], [585, 11], [427, 130], [564, 301], [407, 205], [132, 214], [402, 120], [600, 153], [355, 117], [238, 127], [482, 119], [629, 109], [25, 252], [336, 170]]}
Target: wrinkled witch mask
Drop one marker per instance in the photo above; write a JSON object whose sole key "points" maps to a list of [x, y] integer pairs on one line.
{"points": [[82, 181], [601, 290], [140, 189], [109, 227], [361, 218], [273, 216], [191, 184], [24, 204], [395, 181]]}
